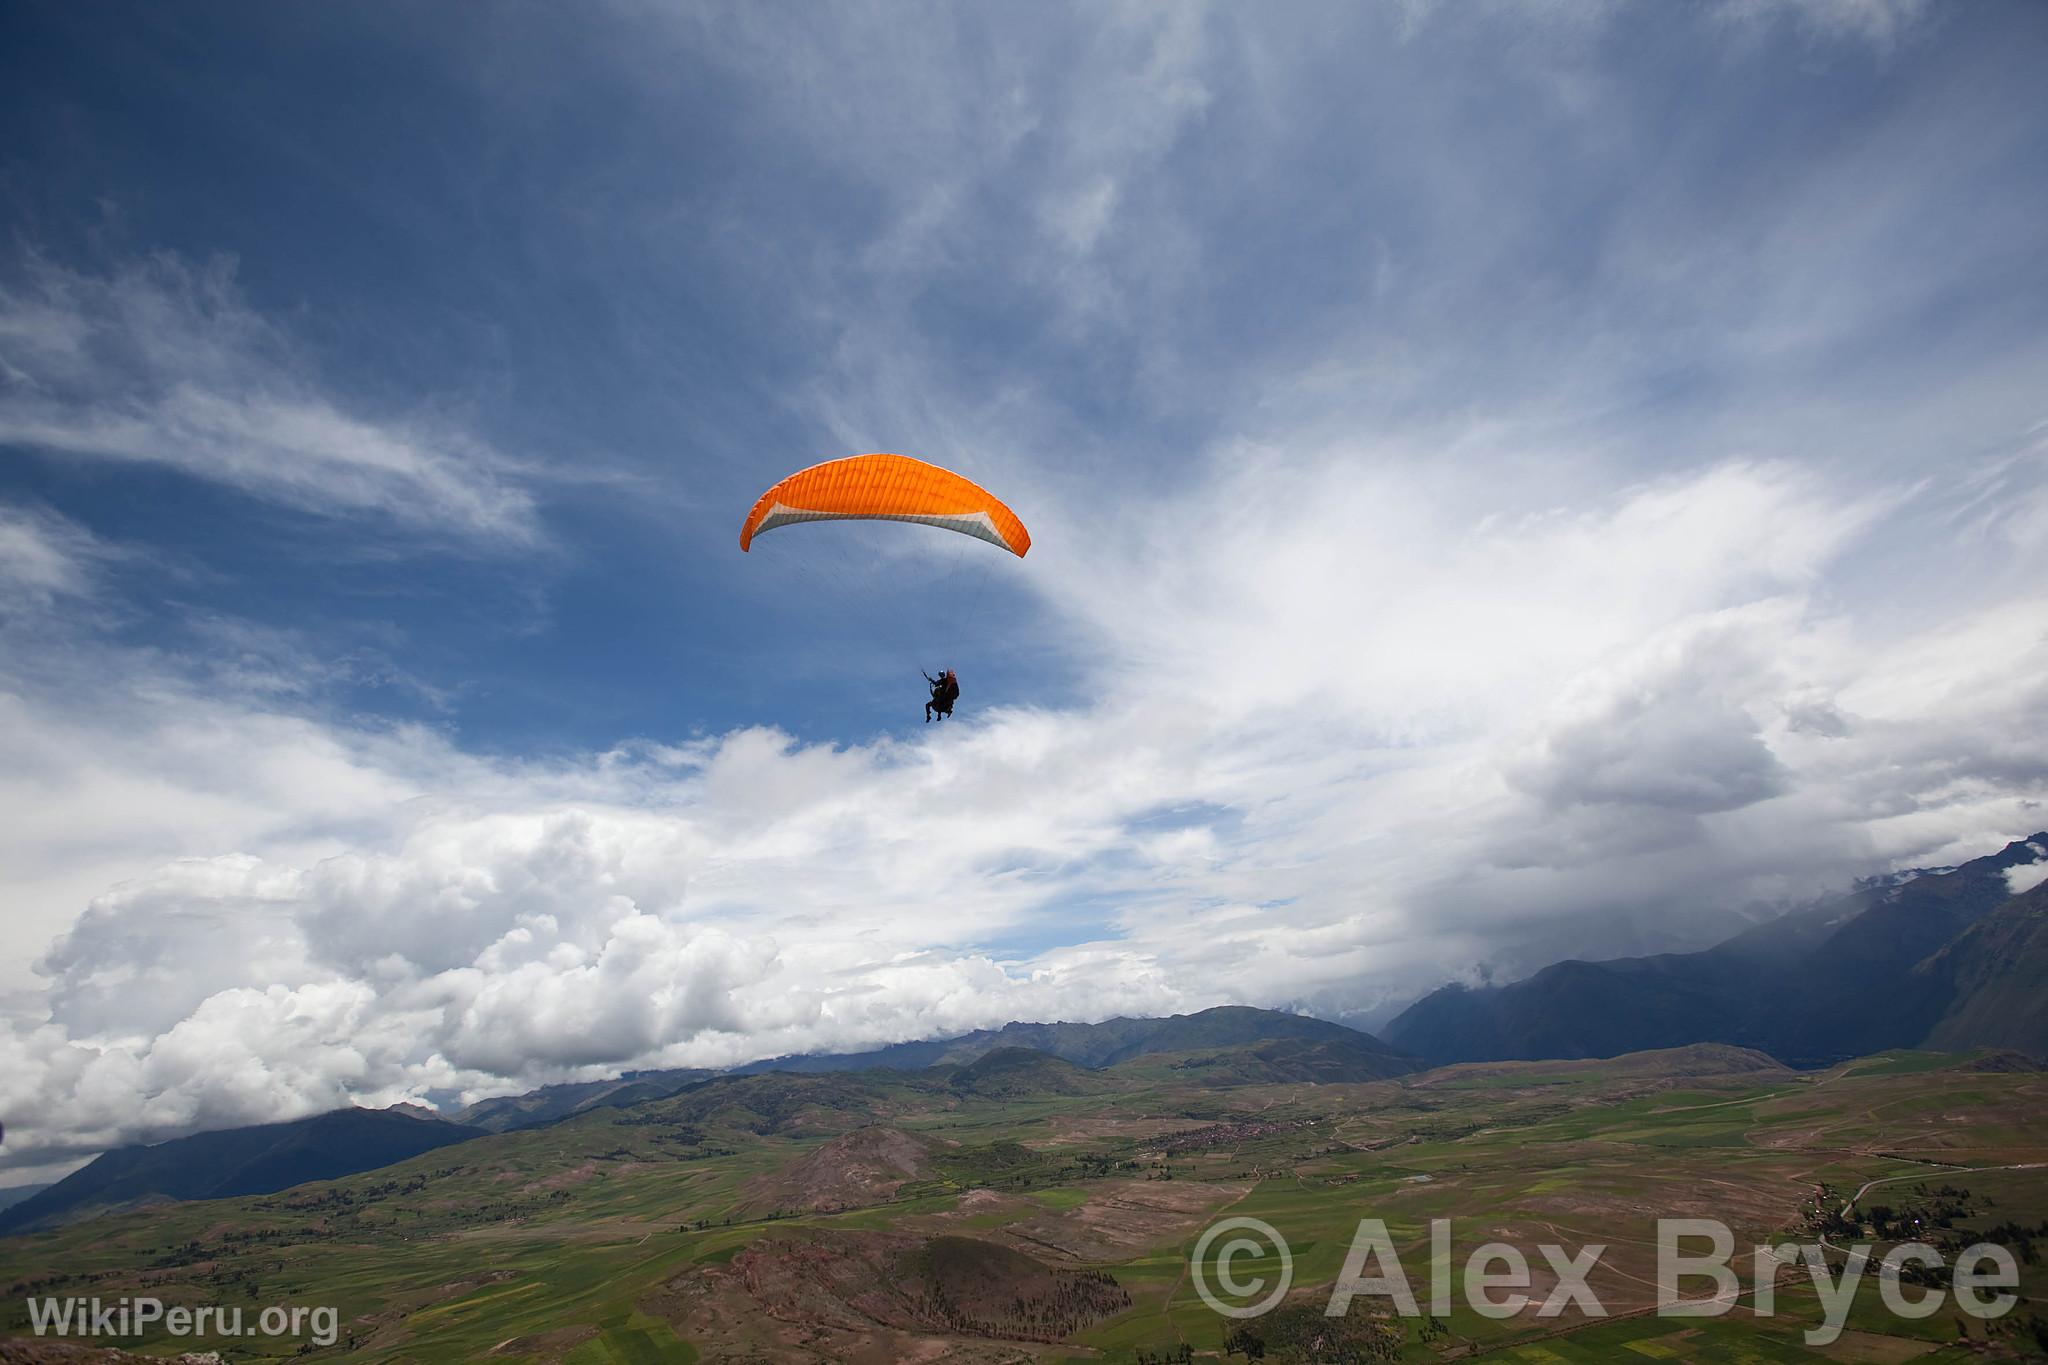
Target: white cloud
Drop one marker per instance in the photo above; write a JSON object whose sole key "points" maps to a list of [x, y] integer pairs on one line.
{"points": [[163, 362], [1882, 24], [1293, 786], [44, 556]]}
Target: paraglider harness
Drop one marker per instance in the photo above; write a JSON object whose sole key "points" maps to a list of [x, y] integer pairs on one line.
{"points": [[945, 691]]}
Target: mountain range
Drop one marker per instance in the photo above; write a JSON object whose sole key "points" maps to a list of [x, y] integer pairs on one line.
{"points": [[1946, 957], [1229, 1045], [1092, 1045], [1089, 1046], [255, 1160]]}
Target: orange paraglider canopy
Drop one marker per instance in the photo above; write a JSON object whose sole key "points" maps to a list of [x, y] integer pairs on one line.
{"points": [[887, 488]]}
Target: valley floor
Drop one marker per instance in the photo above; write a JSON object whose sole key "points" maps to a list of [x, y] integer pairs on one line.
{"points": [[885, 1217]]}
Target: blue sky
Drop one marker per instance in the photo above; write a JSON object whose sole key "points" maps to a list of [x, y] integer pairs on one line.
{"points": [[1507, 481]]}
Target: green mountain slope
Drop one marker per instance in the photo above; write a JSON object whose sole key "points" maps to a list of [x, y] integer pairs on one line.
{"points": [[1321, 1061], [1008, 1072]]}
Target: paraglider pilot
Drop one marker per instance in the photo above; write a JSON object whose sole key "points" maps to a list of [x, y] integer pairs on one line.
{"points": [[945, 691]]}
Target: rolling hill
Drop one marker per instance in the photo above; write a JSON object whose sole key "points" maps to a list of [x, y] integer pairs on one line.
{"points": [[1094, 1045], [864, 1166], [1012, 1071], [1276, 1061], [1329, 1051]]}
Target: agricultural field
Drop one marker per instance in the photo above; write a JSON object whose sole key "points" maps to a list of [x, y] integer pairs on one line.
{"points": [[883, 1217]]}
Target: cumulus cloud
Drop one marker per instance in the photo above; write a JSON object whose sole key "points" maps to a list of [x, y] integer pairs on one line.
{"points": [[161, 361], [409, 918], [560, 937]]}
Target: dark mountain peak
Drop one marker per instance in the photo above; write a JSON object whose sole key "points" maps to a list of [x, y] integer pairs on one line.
{"points": [[1026, 1026], [1218, 1013], [2030, 848], [1885, 881], [414, 1111]]}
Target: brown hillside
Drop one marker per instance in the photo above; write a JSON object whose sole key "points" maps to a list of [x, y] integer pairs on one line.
{"points": [[25, 1352], [840, 1287], [865, 1166]]}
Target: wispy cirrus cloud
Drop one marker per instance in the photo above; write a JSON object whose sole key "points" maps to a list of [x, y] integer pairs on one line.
{"points": [[162, 362], [44, 556]]}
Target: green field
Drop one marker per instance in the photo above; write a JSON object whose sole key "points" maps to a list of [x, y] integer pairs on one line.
{"points": [[677, 1230]]}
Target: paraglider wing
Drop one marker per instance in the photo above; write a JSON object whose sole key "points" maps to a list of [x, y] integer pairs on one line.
{"points": [[887, 488]]}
